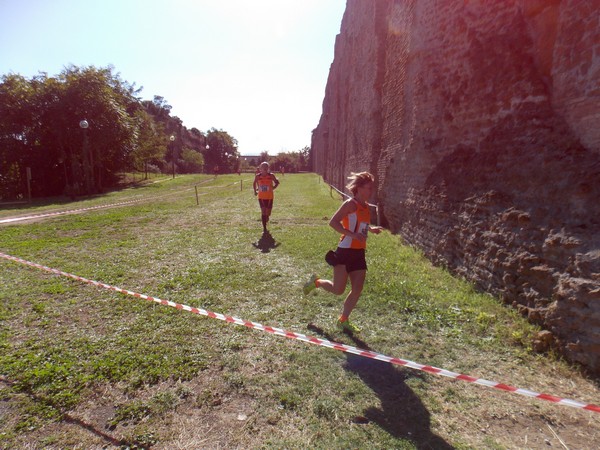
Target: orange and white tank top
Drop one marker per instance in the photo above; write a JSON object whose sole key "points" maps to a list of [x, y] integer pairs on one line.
{"points": [[265, 186], [358, 222]]}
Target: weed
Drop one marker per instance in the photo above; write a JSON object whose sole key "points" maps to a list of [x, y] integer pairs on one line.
{"points": [[132, 412], [326, 409], [289, 400]]}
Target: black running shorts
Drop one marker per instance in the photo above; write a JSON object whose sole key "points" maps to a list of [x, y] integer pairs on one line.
{"points": [[352, 258], [266, 203]]}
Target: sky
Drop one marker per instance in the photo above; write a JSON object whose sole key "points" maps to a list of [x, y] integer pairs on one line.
{"points": [[256, 69]]}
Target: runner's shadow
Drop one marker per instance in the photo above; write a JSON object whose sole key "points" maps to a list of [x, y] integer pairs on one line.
{"points": [[68, 418], [266, 242], [402, 414]]}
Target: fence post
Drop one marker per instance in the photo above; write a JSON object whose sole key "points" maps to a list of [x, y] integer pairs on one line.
{"points": [[196, 187]]}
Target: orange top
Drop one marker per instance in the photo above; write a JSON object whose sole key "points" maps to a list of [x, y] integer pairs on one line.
{"points": [[265, 185], [358, 222]]}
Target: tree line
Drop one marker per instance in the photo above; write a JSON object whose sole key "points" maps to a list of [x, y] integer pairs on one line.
{"points": [[74, 133], [288, 162]]}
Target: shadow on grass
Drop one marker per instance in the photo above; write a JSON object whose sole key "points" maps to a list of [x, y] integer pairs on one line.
{"points": [[402, 414], [266, 243], [65, 416]]}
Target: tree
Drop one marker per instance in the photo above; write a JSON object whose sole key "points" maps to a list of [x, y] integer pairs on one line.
{"points": [[101, 98], [291, 161], [191, 161], [17, 136], [304, 159], [151, 141], [39, 128], [221, 152], [285, 161], [264, 156], [158, 107]]}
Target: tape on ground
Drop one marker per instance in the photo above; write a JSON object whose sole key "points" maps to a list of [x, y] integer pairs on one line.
{"points": [[320, 342]]}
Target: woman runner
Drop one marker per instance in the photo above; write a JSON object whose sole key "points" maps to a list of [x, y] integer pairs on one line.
{"points": [[352, 220]]}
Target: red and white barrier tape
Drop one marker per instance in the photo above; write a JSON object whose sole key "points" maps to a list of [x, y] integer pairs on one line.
{"points": [[91, 208], [320, 342], [71, 211]]}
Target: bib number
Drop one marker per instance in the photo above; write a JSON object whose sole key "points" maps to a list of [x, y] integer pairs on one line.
{"points": [[363, 228]]}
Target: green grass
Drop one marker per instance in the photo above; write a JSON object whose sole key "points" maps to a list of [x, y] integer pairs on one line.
{"points": [[67, 348]]}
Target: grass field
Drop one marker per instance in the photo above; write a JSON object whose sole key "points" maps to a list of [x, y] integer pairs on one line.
{"points": [[84, 367]]}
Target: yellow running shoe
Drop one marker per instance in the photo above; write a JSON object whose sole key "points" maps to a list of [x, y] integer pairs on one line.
{"points": [[348, 327], [310, 285]]}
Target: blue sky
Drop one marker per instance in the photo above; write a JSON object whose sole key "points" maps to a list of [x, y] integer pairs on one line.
{"points": [[254, 68]]}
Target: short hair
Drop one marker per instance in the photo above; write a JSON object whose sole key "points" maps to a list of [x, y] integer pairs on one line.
{"points": [[358, 180]]}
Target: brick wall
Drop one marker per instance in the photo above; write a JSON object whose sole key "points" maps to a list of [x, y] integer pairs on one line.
{"points": [[481, 121]]}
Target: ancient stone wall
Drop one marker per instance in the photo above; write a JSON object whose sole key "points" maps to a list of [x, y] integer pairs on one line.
{"points": [[481, 121]]}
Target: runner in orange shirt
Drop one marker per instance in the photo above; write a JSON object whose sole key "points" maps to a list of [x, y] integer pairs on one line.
{"points": [[264, 185], [352, 220]]}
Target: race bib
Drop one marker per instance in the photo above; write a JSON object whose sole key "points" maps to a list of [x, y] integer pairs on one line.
{"points": [[363, 228]]}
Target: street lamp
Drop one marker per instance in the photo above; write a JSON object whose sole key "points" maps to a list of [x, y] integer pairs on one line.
{"points": [[172, 138], [87, 158]]}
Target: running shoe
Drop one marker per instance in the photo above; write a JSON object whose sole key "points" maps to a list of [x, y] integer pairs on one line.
{"points": [[348, 327], [310, 284]]}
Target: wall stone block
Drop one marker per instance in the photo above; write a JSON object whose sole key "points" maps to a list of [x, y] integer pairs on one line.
{"points": [[480, 121]]}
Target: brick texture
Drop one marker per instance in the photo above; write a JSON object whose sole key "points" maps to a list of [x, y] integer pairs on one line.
{"points": [[481, 121]]}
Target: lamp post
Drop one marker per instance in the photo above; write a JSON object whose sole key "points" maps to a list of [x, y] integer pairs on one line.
{"points": [[88, 171], [172, 138]]}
